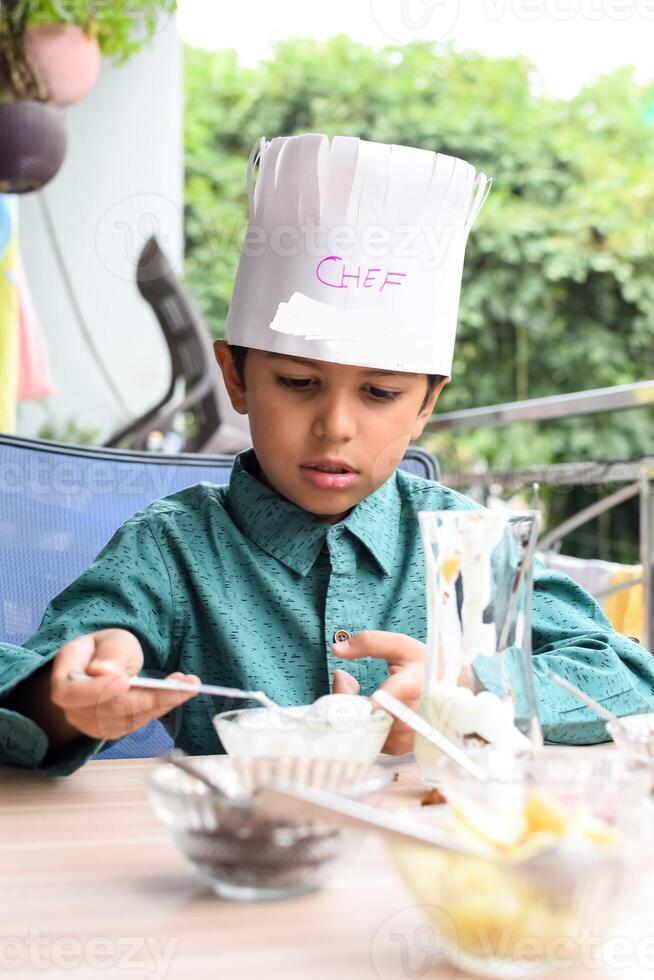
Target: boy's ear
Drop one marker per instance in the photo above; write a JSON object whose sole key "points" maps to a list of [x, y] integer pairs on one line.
{"points": [[426, 412], [230, 376]]}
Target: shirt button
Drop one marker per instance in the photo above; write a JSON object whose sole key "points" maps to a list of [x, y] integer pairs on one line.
{"points": [[340, 635]]}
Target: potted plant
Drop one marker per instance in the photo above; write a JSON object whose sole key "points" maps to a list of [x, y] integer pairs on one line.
{"points": [[32, 133], [50, 54], [65, 39]]}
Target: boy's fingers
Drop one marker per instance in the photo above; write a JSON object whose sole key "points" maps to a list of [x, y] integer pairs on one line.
{"points": [[75, 657], [406, 684], [344, 683], [396, 648], [118, 714], [116, 651]]}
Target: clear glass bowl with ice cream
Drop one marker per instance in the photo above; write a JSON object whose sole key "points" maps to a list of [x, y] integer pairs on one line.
{"points": [[336, 726]]}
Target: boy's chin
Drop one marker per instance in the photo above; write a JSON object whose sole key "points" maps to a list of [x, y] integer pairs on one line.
{"points": [[333, 509]]}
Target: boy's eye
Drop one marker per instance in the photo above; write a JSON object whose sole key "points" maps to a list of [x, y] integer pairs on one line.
{"points": [[305, 384], [296, 384], [383, 394]]}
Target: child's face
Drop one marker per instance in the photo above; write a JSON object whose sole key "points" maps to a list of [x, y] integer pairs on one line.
{"points": [[306, 414]]}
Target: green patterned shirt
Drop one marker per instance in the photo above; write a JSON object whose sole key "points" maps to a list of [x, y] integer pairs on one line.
{"points": [[243, 588]]}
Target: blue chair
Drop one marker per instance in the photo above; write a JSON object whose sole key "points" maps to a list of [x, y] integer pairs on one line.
{"points": [[60, 504]]}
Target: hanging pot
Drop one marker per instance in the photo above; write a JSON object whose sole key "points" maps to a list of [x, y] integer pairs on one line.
{"points": [[66, 59], [32, 145]]}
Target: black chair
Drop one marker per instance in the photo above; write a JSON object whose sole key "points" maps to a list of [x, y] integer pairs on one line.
{"points": [[211, 424]]}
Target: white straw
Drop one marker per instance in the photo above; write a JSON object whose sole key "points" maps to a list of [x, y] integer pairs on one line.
{"points": [[584, 699]]}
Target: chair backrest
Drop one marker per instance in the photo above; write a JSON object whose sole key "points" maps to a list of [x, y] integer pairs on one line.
{"points": [[60, 504], [191, 353]]}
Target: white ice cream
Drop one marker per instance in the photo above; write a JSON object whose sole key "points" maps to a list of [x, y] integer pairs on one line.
{"points": [[459, 713], [336, 726]]}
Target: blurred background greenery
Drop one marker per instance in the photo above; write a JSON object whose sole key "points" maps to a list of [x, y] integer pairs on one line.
{"points": [[558, 292]]}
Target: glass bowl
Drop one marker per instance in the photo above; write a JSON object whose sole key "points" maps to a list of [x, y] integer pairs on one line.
{"points": [[334, 727], [634, 734], [610, 782], [494, 919], [585, 810], [236, 849]]}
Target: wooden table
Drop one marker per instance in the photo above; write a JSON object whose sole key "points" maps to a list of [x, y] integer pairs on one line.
{"points": [[91, 885]]}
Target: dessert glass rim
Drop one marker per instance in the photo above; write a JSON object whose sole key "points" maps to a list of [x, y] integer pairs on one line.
{"points": [[375, 780]]}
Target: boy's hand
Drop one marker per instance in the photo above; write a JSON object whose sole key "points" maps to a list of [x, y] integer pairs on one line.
{"points": [[106, 707], [406, 664]]}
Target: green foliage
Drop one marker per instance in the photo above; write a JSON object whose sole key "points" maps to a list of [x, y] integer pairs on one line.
{"points": [[69, 431], [122, 27], [558, 292]]}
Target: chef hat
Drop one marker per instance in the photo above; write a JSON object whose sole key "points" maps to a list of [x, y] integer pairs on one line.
{"points": [[354, 252]]}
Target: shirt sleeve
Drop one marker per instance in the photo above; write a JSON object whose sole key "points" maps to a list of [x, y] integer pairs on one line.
{"points": [[572, 637], [126, 587]]}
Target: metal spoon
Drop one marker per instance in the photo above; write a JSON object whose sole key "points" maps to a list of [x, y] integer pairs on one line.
{"points": [[428, 732], [172, 685], [180, 760], [558, 868]]}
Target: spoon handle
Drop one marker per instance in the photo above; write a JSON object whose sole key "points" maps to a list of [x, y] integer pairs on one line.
{"points": [[172, 685], [428, 732], [295, 800]]}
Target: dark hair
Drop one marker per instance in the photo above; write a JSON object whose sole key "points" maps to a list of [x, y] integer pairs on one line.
{"points": [[239, 355]]}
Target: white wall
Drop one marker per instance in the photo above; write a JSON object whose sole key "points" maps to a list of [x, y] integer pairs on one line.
{"points": [[121, 180]]}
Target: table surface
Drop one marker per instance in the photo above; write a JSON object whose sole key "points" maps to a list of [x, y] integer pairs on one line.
{"points": [[91, 884]]}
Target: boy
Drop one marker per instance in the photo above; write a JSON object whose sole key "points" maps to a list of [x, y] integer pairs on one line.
{"points": [[305, 574]]}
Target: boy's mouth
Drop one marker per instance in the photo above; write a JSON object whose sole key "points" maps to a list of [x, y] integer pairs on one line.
{"points": [[329, 474]]}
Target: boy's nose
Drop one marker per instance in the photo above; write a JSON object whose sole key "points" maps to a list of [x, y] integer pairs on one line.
{"points": [[334, 422]]}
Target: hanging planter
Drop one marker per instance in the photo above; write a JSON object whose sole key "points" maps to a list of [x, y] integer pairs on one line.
{"points": [[32, 133], [32, 145], [66, 58], [50, 52]]}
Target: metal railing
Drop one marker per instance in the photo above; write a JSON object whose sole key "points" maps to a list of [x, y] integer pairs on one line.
{"points": [[637, 475]]}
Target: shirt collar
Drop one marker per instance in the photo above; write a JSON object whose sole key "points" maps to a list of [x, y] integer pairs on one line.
{"points": [[296, 537]]}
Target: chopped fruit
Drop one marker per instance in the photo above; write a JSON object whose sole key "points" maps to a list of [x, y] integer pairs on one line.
{"points": [[450, 567], [545, 813], [497, 914], [503, 827], [600, 833], [516, 828]]}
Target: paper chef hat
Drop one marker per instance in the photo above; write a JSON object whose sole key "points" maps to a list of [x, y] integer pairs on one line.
{"points": [[354, 252]]}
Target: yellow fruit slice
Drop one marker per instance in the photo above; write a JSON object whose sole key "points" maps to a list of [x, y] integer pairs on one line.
{"points": [[450, 566], [546, 814], [503, 825]]}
